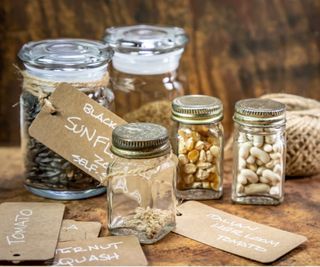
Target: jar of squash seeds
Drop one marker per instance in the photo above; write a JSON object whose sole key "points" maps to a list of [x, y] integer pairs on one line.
{"points": [[144, 73], [140, 193], [47, 64], [259, 152], [198, 142]]}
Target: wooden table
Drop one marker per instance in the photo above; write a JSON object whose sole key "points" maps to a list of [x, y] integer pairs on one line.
{"points": [[300, 213]]}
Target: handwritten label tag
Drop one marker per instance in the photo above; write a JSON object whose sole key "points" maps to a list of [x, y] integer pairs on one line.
{"points": [[80, 131], [104, 251], [72, 230], [234, 234], [29, 231]]}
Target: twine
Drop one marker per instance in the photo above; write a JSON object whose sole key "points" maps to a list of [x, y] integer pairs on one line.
{"points": [[39, 87], [303, 133], [141, 167]]}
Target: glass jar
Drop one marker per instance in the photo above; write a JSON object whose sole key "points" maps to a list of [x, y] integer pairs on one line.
{"points": [[198, 142], [140, 191], [47, 64], [259, 152], [144, 71]]}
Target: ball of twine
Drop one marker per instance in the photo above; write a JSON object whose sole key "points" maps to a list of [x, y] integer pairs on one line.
{"points": [[303, 134]]}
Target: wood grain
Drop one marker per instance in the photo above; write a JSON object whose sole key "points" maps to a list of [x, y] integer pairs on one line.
{"points": [[237, 49], [300, 213]]}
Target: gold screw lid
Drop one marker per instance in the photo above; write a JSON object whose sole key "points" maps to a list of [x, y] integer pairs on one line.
{"points": [[259, 112], [140, 140], [197, 109]]}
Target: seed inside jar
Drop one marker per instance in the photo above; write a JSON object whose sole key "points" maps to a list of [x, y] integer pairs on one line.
{"points": [[199, 152]]}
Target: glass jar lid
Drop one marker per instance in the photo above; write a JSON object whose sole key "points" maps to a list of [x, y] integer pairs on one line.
{"points": [[65, 54], [140, 140], [197, 109], [256, 111], [145, 39]]}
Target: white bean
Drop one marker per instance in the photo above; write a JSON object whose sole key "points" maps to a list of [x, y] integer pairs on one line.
{"points": [[275, 190], [242, 179], [260, 154], [258, 140], [277, 147], [251, 159], [277, 169], [270, 139], [251, 176], [244, 150], [260, 170], [242, 163], [253, 189], [267, 148], [264, 180], [275, 178], [240, 188]]}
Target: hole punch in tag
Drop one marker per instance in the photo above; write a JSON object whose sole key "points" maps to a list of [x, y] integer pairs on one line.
{"points": [[234, 234], [29, 231]]}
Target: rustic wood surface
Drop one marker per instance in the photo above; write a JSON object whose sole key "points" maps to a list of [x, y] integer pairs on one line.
{"points": [[300, 213], [237, 49]]}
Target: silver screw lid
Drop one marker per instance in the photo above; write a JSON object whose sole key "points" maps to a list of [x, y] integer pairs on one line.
{"points": [[197, 109], [140, 140], [145, 39], [65, 54], [259, 112]]}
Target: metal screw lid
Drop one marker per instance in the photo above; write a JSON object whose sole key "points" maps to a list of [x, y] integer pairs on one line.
{"points": [[197, 109], [65, 54], [256, 111], [140, 140], [145, 39]]}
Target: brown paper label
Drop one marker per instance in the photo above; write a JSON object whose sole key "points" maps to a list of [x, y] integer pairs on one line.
{"points": [[104, 251], [29, 231], [72, 230], [234, 234], [80, 131]]}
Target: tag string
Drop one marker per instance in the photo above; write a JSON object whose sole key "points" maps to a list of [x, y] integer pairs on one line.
{"points": [[42, 88]]}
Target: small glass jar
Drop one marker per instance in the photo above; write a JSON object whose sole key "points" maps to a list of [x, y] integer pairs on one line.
{"points": [[198, 142], [144, 71], [259, 152], [140, 191], [47, 64]]}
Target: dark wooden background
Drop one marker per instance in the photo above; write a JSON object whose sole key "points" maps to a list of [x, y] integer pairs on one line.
{"points": [[237, 49]]}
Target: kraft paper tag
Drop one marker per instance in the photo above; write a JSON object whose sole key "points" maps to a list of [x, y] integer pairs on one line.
{"points": [[80, 131], [104, 251], [72, 230], [29, 231], [234, 234]]}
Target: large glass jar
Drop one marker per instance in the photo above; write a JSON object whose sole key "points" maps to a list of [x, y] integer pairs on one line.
{"points": [[47, 64], [259, 152], [144, 71], [198, 142], [140, 191]]}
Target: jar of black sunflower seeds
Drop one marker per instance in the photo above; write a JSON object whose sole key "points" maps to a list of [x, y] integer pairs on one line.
{"points": [[48, 63]]}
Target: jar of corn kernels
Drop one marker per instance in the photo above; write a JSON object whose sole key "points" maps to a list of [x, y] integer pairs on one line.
{"points": [[198, 143]]}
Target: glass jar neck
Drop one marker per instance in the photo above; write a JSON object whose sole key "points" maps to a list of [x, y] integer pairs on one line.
{"points": [[156, 64], [68, 75], [260, 130]]}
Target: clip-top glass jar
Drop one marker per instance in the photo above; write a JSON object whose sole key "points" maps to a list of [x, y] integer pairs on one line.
{"points": [[140, 191], [198, 142], [48, 63], [144, 71], [259, 152]]}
